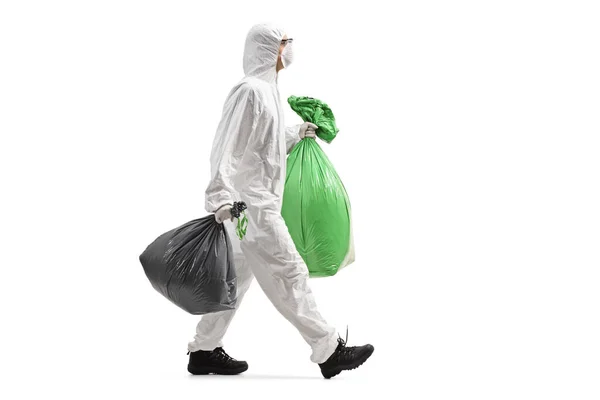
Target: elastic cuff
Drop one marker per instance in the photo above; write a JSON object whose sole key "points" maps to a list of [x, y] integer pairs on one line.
{"points": [[322, 356], [193, 346], [223, 205]]}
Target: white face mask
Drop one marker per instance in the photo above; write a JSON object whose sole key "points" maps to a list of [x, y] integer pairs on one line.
{"points": [[287, 55]]}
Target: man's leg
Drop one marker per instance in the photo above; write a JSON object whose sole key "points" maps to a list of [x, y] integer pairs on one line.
{"points": [[212, 327], [283, 276]]}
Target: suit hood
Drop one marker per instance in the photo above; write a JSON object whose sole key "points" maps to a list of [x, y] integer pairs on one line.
{"points": [[261, 51]]}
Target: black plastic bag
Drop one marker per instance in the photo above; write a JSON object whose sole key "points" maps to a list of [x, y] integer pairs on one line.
{"points": [[192, 265]]}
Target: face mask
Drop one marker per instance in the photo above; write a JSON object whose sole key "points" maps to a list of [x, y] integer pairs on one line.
{"points": [[287, 55]]}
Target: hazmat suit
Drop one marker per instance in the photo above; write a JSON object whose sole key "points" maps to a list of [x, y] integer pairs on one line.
{"points": [[248, 163]]}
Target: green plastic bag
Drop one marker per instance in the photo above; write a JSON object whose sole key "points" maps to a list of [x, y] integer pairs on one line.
{"points": [[316, 207], [317, 112]]}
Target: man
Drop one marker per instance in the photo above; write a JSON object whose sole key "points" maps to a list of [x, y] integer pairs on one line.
{"points": [[248, 163]]}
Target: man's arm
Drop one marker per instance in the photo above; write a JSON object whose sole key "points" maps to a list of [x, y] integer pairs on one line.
{"points": [[295, 133], [292, 137], [238, 124]]}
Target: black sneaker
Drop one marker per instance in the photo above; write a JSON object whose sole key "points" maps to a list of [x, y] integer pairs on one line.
{"points": [[214, 362], [345, 358]]}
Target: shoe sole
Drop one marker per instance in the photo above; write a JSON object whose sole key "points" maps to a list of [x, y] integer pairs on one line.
{"points": [[215, 371], [358, 363]]}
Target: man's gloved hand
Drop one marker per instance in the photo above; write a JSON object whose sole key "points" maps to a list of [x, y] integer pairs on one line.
{"points": [[223, 213], [308, 129]]}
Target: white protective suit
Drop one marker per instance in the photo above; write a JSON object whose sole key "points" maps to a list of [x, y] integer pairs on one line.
{"points": [[248, 163]]}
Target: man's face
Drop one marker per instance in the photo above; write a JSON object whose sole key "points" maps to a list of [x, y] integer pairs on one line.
{"points": [[281, 46]]}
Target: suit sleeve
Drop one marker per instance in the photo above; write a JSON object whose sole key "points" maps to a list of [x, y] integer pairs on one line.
{"points": [[292, 137], [237, 126]]}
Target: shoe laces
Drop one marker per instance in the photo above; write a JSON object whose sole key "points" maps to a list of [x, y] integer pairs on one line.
{"points": [[221, 355], [344, 352]]}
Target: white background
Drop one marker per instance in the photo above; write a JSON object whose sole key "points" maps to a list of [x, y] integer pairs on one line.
{"points": [[469, 146]]}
